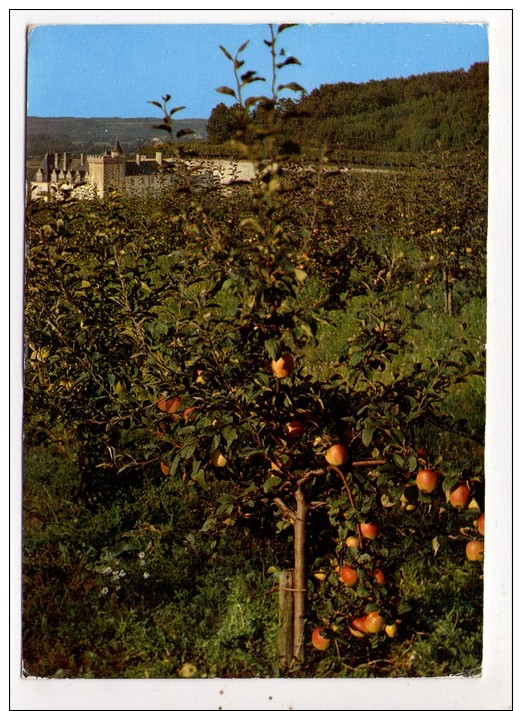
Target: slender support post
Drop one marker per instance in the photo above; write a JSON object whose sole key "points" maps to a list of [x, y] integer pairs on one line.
{"points": [[299, 574], [285, 632]]}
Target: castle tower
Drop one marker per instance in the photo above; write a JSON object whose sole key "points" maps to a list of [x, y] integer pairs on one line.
{"points": [[107, 171]]}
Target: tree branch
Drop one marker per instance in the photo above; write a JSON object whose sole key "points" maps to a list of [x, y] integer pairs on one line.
{"points": [[287, 511]]}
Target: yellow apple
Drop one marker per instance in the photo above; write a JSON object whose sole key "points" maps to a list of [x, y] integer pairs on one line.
{"points": [[284, 366], [337, 454], [475, 550], [374, 622], [391, 630], [218, 459], [353, 542]]}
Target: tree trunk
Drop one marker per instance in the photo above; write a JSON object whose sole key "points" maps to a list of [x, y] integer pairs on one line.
{"points": [[285, 632], [299, 574]]}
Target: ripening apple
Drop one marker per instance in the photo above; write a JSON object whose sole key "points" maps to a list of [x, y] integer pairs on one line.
{"points": [[320, 639], [423, 453], [369, 530], [391, 630], [475, 550], [284, 366], [378, 576], [459, 495], [294, 429], [409, 497], [337, 455], [348, 576], [165, 469], [480, 524], [218, 459], [358, 626], [169, 404], [374, 622], [187, 412], [353, 542], [188, 671], [427, 480]]}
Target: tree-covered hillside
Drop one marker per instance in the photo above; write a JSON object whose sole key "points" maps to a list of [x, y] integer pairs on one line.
{"points": [[406, 114]]}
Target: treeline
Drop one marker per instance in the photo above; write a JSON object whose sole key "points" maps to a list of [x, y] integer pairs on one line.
{"points": [[406, 114], [95, 135]]}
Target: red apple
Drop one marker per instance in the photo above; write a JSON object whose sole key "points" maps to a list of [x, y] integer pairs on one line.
{"points": [[337, 455], [348, 576], [358, 626], [369, 530], [169, 404], [427, 480], [294, 429], [379, 576], [320, 639], [459, 495], [187, 412], [284, 366], [165, 468], [480, 524], [475, 550], [423, 453]]}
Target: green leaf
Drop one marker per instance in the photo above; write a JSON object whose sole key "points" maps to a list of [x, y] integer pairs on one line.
{"points": [[300, 275], [271, 482], [273, 347], [398, 461], [230, 434], [367, 435], [188, 450], [356, 358], [410, 463]]}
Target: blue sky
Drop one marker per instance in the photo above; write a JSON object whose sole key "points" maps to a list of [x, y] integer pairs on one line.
{"points": [[105, 70]]}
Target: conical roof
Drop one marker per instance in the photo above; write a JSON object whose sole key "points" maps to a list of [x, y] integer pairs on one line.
{"points": [[117, 147]]}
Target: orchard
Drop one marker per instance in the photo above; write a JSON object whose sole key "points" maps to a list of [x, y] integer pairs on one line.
{"points": [[267, 429]]}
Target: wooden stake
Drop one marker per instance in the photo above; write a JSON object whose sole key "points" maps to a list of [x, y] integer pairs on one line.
{"points": [[285, 632], [299, 574]]}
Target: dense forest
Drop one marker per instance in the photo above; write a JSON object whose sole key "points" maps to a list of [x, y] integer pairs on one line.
{"points": [[411, 114], [399, 115]]}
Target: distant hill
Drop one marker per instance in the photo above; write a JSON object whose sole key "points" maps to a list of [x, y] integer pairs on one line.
{"points": [[95, 135]]}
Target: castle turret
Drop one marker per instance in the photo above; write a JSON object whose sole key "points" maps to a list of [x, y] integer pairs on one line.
{"points": [[108, 171], [116, 149]]}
